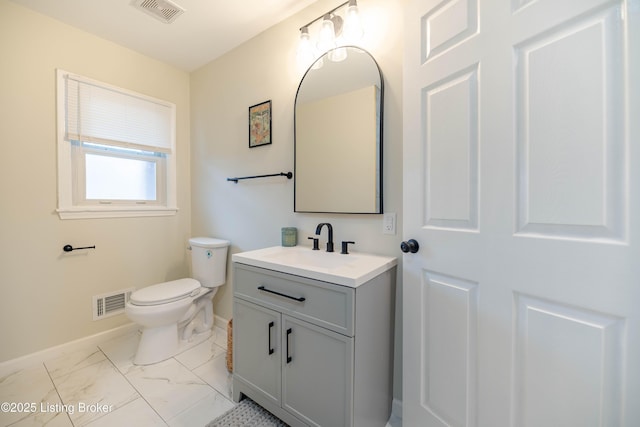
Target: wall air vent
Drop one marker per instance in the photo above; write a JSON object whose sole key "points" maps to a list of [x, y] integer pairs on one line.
{"points": [[163, 10], [108, 305]]}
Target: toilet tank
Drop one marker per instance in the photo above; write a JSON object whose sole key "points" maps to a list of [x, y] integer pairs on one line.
{"points": [[209, 260]]}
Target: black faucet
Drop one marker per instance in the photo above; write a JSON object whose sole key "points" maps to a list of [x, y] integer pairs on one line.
{"points": [[330, 238]]}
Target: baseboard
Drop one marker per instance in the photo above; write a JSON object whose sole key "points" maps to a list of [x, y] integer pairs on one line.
{"points": [[41, 356], [220, 322]]}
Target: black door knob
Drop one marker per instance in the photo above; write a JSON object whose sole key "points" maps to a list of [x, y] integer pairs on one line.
{"points": [[409, 246]]}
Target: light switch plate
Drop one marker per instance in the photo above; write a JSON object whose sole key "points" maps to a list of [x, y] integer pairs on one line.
{"points": [[389, 223]]}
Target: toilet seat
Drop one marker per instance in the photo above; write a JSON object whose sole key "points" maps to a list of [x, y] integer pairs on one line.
{"points": [[166, 292]]}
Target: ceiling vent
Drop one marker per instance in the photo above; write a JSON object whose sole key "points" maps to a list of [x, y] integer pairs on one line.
{"points": [[163, 10]]}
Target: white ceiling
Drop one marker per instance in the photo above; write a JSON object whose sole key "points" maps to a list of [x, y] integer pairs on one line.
{"points": [[208, 28]]}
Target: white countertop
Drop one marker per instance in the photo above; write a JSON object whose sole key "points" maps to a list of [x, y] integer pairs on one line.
{"points": [[351, 270]]}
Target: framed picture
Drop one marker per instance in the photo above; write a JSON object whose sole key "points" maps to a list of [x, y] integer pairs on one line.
{"points": [[260, 124]]}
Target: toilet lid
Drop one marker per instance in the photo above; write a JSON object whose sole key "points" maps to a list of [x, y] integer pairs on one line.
{"points": [[165, 292], [208, 242]]}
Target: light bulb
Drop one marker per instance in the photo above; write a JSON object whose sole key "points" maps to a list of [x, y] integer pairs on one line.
{"points": [[305, 48], [352, 31], [327, 37]]}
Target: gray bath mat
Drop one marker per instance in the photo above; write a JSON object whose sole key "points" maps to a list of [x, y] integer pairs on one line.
{"points": [[247, 413]]}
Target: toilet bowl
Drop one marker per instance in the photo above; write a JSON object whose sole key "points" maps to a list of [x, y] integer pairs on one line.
{"points": [[173, 313]]}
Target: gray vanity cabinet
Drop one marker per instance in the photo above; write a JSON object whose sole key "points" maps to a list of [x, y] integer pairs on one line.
{"points": [[256, 346], [316, 380], [312, 352]]}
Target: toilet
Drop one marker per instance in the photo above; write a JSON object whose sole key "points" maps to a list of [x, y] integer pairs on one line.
{"points": [[180, 311]]}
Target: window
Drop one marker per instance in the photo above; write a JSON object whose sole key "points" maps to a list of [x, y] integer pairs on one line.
{"points": [[116, 151]]}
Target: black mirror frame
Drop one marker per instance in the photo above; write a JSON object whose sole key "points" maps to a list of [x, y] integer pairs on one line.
{"points": [[380, 207]]}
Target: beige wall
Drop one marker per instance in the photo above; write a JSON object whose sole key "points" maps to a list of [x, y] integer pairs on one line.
{"points": [[45, 294], [251, 213]]}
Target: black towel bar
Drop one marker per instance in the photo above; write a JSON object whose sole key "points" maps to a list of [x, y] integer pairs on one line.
{"points": [[289, 175]]}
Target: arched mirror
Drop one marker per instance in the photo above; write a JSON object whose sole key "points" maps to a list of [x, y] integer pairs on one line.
{"points": [[338, 135]]}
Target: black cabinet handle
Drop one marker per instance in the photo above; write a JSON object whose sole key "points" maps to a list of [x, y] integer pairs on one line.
{"points": [[299, 299], [289, 358], [271, 325]]}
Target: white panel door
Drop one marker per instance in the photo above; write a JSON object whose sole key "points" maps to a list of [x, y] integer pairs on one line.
{"points": [[522, 187]]}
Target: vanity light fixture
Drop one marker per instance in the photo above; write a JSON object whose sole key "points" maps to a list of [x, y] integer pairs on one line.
{"points": [[335, 31], [352, 31], [327, 36], [306, 52]]}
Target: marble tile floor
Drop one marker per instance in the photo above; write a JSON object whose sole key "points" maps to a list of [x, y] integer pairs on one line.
{"points": [[99, 386]]}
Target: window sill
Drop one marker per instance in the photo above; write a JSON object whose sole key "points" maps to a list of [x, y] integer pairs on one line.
{"points": [[94, 212]]}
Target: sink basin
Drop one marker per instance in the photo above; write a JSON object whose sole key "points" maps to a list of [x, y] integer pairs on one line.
{"points": [[313, 259], [351, 270]]}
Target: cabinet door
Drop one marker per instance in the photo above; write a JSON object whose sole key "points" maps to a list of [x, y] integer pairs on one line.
{"points": [[317, 374], [256, 348]]}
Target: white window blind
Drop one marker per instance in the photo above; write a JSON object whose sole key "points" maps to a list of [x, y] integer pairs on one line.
{"points": [[106, 115], [116, 151]]}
